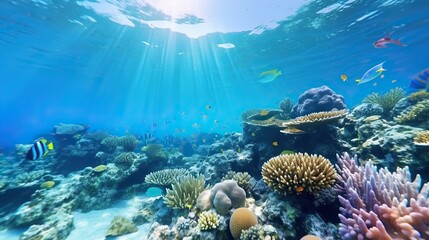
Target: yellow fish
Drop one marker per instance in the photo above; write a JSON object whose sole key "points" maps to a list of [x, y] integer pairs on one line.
{"points": [[344, 77], [264, 112], [269, 76], [275, 144]]}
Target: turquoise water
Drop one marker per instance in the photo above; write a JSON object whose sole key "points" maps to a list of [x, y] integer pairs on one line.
{"points": [[63, 62]]}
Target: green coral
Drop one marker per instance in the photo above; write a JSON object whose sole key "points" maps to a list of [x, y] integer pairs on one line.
{"points": [[388, 100], [155, 151], [185, 192], [208, 220], [128, 142], [165, 177], [417, 114], [416, 97], [121, 226], [242, 179], [125, 160]]}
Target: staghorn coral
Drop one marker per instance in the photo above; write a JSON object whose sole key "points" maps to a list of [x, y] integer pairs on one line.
{"points": [[388, 100], [296, 173], [241, 219], [242, 179], [208, 220], [184, 193], [165, 177], [422, 138], [125, 160], [380, 204], [415, 115], [315, 119]]}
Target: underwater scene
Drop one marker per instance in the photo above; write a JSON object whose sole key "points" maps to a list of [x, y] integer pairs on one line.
{"points": [[214, 119]]}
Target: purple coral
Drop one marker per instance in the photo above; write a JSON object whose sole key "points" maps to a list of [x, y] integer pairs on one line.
{"points": [[317, 100], [380, 204]]}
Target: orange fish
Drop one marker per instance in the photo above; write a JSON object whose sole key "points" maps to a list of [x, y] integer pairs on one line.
{"points": [[344, 77], [299, 189]]}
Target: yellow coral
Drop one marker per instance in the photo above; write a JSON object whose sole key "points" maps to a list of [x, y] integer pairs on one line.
{"points": [[416, 114], [418, 96], [208, 220], [297, 173], [422, 138], [315, 119]]}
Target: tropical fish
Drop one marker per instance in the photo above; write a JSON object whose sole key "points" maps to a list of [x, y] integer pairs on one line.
{"points": [[39, 149], [264, 112], [208, 107], [215, 121], [394, 81], [299, 189], [275, 144], [420, 80], [344, 77], [269, 76], [253, 134], [372, 73], [381, 43]]}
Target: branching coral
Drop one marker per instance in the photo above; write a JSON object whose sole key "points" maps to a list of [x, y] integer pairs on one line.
{"points": [[165, 177], [208, 220], [380, 204], [388, 100], [185, 192], [417, 114], [297, 173], [315, 119], [422, 138]]}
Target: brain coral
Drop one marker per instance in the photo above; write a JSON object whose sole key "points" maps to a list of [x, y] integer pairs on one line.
{"points": [[227, 194], [241, 219], [297, 173], [316, 100]]}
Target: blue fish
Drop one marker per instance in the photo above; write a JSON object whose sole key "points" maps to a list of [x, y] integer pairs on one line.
{"points": [[371, 74], [420, 80], [39, 149]]}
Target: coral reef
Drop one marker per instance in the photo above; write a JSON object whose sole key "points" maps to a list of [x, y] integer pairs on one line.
{"points": [[317, 100], [259, 232], [242, 179], [185, 192], [314, 119], [69, 129], [223, 196], [120, 226], [165, 177], [380, 204], [241, 219], [298, 173], [388, 100], [416, 115], [422, 138], [419, 96], [208, 220]]}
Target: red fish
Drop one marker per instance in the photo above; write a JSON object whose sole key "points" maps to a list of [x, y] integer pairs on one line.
{"points": [[381, 43]]}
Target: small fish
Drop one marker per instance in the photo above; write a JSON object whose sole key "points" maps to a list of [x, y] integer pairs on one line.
{"points": [[372, 73], [253, 134], [204, 140], [382, 76], [394, 81], [195, 125], [204, 117], [275, 144], [420, 80], [344, 77], [381, 43], [299, 189], [375, 84], [208, 107], [39, 149], [264, 112], [269, 76], [216, 121], [154, 125]]}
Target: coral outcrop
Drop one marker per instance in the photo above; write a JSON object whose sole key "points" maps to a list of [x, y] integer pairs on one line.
{"points": [[241, 219], [185, 192], [318, 100], [298, 173]]}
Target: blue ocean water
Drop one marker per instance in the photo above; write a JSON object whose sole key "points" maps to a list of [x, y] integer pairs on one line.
{"points": [[63, 62], [161, 84]]}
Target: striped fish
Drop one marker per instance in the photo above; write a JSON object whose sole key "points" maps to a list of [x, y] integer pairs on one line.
{"points": [[39, 149], [420, 80]]}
